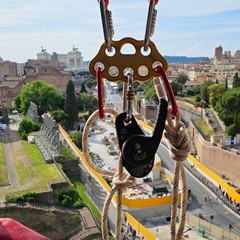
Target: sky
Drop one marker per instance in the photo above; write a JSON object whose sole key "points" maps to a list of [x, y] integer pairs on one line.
{"points": [[183, 28]]}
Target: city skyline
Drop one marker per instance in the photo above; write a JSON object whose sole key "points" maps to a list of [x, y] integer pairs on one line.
{"points": [[189, 28]]}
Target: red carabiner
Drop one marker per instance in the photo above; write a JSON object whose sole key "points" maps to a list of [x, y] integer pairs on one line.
{"points": [[99, 88], [162, 73], [106, 3], [155, 3]]}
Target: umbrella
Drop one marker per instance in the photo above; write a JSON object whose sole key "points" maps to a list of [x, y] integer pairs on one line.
{"points": [[13, 230]]}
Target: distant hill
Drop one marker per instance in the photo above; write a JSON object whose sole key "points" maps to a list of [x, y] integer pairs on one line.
{"points": [[175, 59], [184, 59]]}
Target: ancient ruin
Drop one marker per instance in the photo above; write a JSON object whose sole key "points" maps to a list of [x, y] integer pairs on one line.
{"points": [[48, 141]]}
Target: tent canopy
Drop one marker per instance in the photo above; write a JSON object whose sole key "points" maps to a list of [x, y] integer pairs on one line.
{"points": [[13, 230]]}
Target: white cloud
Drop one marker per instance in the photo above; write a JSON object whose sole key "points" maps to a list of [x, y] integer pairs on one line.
{"points": [[27, 25], [197, 7], [195, 50]]}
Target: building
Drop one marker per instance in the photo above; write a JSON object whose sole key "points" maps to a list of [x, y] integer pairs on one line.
{"points": [[49, 74], [3, 114], [8, 69], [43, 55], [9, 90], [218, 53], [224, 71], [237, 54], [72, 61]]}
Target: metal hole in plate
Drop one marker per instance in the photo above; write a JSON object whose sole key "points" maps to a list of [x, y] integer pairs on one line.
{"points": [[113, 71], [110, 53], [97, 65], [143, 71], [156, 64], [147, 52], [128, 70], [128, 49]]}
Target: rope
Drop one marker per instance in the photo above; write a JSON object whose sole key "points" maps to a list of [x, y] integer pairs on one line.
{"points": [[120, 180], [179, 146]]}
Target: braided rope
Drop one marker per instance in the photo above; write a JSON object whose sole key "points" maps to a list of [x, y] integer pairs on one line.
{"points": [[120, 180], [85, 146], [179, 145]]}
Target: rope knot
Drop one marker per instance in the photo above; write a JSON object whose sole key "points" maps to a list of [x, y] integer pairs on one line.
{"points": [[126, 181], [177, 137]]}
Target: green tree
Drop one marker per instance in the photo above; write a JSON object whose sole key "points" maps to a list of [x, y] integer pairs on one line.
{"points": [[71, 108], [230, 110], [120, 86], [26, 126], [17, 103], [83, 88], [87, 102], [194, 91], [61, 117], [197, 98], [215, 93], [175, 87], [77, 139], [150, 92], [236, 81], [226, 83], [90, 82], [204, 91], [181, 80], [45, 96]]}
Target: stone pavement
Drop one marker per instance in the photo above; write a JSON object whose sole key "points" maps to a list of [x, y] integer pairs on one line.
{"points": [[8, 136], [90, 227]]}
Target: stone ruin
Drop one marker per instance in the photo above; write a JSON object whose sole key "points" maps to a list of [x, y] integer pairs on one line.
{"points": [[48, 141], [32, 112]]}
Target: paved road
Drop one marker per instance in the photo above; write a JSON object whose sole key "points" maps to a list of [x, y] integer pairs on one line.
{"points": [[222, 215], [10, 165]]}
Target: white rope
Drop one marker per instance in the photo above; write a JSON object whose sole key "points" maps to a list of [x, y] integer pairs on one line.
{"points": [[120, 180], [179, 145]]}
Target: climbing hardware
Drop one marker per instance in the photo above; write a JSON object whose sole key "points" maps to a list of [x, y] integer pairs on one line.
{"points": [[137, 149]]}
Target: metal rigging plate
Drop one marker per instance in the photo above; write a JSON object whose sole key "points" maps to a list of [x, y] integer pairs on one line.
{"points": [[115, 63]]}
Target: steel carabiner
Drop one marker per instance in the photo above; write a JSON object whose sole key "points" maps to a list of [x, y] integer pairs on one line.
{"points": [[107, 24], [151, 20]]}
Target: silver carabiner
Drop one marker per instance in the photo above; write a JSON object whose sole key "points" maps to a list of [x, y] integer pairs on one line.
{"points": [[130, 95], [151, 20], [107, 24]]}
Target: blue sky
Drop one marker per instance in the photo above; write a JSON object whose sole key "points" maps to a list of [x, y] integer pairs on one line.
{"points": [[183, 28]]}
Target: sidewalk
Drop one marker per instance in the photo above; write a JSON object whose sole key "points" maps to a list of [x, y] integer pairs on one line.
{"points": [[10, 165], [214, 189]]}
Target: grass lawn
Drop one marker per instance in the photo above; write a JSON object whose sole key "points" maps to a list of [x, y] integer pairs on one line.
{"points": [[204, 128], [3, 169], [32, 171], [51, 224], [31, 168], [190, 99], [80, 187], [67, 153]]}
